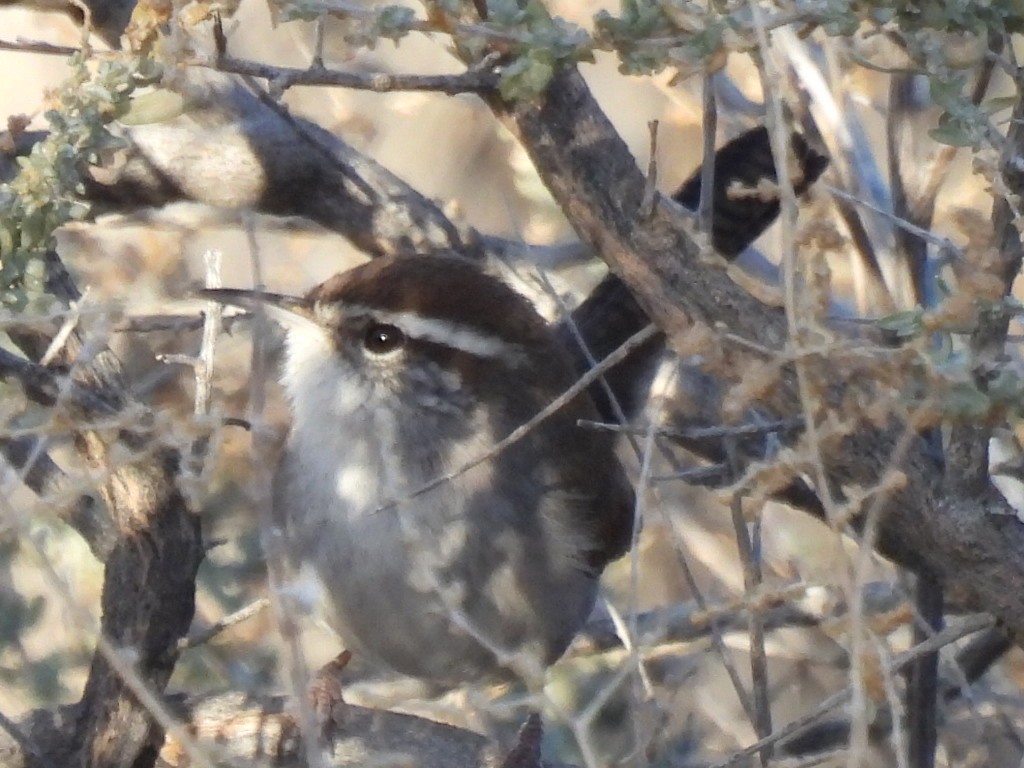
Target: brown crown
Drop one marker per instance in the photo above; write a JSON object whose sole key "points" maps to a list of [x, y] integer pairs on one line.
{"points": [[441, 287]]}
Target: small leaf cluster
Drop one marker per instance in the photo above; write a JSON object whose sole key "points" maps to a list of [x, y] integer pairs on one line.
{"points": [[647, 37], [967, 391], [538, 43], [962, 122], [47, 191], [389, 22]]}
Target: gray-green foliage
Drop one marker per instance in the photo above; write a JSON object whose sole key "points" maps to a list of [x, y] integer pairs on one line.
{"points": [[47, 191]]}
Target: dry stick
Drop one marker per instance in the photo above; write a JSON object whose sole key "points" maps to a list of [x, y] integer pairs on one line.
{"points": [[943, 243], [651, 183], [271, 534], [698, 433], [923, 676], [814, 89], [242, 614], [949, 635], [758, 656], [706, 207], [175, 323], [717, 641], [203, 368], [283, 78], [809, 401], [578, 388], [892, 699], [319, 31], [626, 633], [642, 487], [906, 160], [696, 475], [867, 540], [38, 46], [788, 210]]}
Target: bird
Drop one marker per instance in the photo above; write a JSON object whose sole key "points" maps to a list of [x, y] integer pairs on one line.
{"points": [[400, 372]]}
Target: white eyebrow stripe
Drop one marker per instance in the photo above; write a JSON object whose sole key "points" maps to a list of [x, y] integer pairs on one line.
{"points": [[446, 332]]}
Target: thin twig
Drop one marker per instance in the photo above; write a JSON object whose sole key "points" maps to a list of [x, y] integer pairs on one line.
{"points": [[923, 676], [39, 46], [242, 614], [699, 433], [696, 474], [67, 327], [717, 641], [203, 368], [949, 635], [319, 34], [651, 182], [176, 323], [943, 243], [695, 620], [283, 78], [706, 207], [758, 656], [271, 533]]}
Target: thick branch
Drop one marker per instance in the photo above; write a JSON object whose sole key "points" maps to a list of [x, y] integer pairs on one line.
{"points": [[970, 540], [241, 149], [152, 554]]}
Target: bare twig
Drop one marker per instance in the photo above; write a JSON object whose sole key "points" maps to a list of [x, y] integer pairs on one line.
{"points": [[706, 208], [949, 635], [281, 79], [701, 433], [272, 535], [39, 46], [242, 614], [943, 243], [651, 185], [923, 677], [758, 658]]}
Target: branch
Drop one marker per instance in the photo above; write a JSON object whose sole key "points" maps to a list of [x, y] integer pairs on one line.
{"points": [[969, 538], [282, 78]]}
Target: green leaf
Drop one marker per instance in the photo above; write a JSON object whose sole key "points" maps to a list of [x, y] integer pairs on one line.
{"points": [[954, 134], [157, 106], [904, 325], [526, 77]]}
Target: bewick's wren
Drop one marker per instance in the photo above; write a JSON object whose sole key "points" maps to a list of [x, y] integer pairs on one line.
{"points": [[402, 370]]}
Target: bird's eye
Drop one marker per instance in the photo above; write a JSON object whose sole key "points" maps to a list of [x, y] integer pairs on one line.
{"points": [[382, 338]]}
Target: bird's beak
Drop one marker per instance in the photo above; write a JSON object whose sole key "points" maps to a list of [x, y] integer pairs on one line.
{"points": [[287, 310]]}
